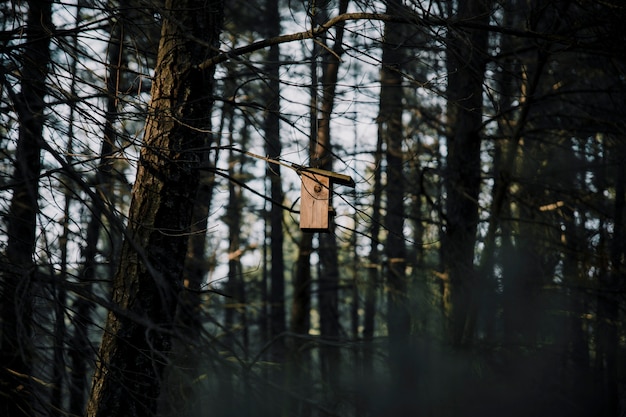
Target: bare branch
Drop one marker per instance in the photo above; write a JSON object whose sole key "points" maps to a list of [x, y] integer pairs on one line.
{"points": [[298, 36]]}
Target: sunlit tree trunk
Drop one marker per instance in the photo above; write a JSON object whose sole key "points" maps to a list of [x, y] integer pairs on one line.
{"points": [[18, 396], [137, 337]]}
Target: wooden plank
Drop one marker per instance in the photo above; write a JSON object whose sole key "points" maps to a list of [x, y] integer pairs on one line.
{"points": [[315, 202]]}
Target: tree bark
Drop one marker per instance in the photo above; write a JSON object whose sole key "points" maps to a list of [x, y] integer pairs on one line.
{"points": [[138, 333]]}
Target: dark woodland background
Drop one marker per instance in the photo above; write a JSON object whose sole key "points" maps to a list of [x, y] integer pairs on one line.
{"points": [[151, 259]]}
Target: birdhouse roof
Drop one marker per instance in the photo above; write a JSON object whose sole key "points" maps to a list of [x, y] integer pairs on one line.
{"points": [[334, 177]]}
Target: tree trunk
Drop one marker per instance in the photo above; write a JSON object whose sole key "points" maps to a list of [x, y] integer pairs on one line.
{"points": [[59, 368], [236, 318], [17, 288], [299, 323], [138, 331], [390, 123], [401, 359], [373, 267], [466, 60], [611, 289], [80, 351], [329, 269], [277, 324]]}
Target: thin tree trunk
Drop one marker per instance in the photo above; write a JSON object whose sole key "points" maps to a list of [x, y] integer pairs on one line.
{"points": [[356, 273], [137, 337], [299, 323], [233, 212], [81, 350], [59, 371], [611, 285], [372, 278], [504, 157], [60, 328], [74, 389], [227, 379], [373, 267], [17, 288], [236, 283], [573, 341], [328, 279]]}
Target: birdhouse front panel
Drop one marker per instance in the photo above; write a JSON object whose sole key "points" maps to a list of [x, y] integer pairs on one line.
{"points": [[315, 202]]}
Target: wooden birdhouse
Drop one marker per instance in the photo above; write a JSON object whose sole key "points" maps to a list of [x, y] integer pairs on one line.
{"points": [[316, 198]]}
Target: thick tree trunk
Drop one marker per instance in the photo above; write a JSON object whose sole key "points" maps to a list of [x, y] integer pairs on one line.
{"points": [[138, 332], [466, 60], [17, 397], [402, 363], [390, 123]]}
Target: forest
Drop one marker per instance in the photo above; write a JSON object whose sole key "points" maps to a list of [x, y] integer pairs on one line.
{"points": [[312, 208]]}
